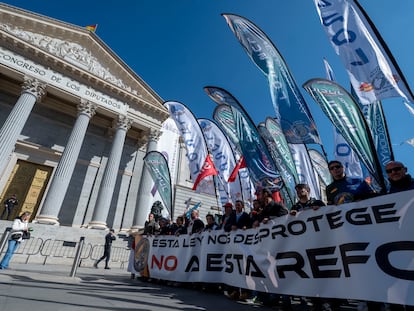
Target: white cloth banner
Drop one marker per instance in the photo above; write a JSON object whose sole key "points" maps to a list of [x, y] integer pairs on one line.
{"points": [[362, 250]]}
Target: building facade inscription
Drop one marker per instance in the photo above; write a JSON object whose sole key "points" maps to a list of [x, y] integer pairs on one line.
{"points": [[20, 63]]}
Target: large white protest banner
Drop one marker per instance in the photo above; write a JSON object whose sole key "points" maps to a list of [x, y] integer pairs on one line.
{"points": [[362, 250]]}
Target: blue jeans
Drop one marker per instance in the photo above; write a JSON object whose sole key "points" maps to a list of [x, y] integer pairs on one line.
{"points": [[13, 245]]}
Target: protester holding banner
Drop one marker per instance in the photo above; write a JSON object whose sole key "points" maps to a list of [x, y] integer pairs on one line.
{"points": [[165, 228], [196, 225], [398, 177], [211, 223], [256, 214], [179, 227], [345, 189], [271, 209], [242, 219], [150, 226], [227, 218], [305, 201]]}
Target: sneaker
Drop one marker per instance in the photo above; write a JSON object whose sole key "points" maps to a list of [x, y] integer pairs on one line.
{"points": [[95, 265], [107, 268]]}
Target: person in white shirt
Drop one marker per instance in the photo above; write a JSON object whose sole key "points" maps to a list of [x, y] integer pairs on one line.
{"points": [[20, 224]]}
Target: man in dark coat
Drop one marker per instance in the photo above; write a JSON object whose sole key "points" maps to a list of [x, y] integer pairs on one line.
{"points": [[8, 207], [107, 249], [305, 201]]}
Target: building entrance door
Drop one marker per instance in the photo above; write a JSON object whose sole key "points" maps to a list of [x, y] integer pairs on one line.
{"points": [[28, 182]]}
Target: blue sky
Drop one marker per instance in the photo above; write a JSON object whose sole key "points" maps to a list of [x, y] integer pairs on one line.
{"points": [[180, 46]]}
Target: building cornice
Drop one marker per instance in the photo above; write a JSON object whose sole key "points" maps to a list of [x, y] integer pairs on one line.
{"points": [[19, 27]]}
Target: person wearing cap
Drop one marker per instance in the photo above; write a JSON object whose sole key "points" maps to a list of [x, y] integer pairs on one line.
{"points": [[109, 238], [305, 201]]}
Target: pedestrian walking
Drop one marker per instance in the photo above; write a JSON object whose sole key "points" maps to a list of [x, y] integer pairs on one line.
{"points": [[107, 249]]}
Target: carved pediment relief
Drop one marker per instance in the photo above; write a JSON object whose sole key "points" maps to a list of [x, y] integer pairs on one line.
{"points": [[71, 52], [81, 49]]}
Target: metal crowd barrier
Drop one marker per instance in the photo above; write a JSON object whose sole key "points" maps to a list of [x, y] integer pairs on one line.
{"points": [[118, 254], [63, 249], [51, 248]]}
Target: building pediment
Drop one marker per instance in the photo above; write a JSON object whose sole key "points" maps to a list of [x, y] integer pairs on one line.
{"points": [[75, 51]]}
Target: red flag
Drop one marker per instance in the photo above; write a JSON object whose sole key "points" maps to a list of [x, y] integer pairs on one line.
{"points": [[208, 169], [239, 165]]}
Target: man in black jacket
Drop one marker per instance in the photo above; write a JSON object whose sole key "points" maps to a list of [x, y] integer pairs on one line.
{"points": [[305, 201], [271, 209], [8, 207], [107, 249]]}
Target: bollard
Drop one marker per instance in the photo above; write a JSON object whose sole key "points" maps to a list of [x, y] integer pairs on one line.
{"points": [[4, 238], [76, 260]]}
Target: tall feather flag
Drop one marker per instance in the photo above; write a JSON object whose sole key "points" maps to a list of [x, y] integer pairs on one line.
{"points": [[342, 151], [158, 167], [290, 107], [372, 69], [240, 164], [374, 114], [92, 27], [288, 192], [224, 117], [259, 162], [409, 108], [282, 146], [340, 107], [208, 169], [223, 158], [321, 166], [305, 169], [194, 142]]}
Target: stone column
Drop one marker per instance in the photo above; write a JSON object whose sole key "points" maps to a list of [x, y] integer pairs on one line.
{"points": [[145, 199], [61, 178], [106, 189], [128, 217], [32, 91]]}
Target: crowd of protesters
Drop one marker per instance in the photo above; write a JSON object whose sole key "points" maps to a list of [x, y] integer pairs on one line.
{"points": [[268, 206]]}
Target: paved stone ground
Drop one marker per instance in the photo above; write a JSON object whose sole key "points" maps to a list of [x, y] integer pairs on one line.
{"points": [[50, 287]]}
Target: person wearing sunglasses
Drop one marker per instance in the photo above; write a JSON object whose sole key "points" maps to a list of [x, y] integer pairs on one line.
{"points": [[345, 189], [398, 177], [305, 201]]}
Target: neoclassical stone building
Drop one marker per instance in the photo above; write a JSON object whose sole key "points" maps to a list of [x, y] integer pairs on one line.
{"points": [[75, 124]]}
